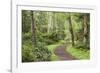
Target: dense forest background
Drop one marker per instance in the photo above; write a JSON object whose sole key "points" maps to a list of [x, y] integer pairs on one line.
{"points": [[54, 36]]}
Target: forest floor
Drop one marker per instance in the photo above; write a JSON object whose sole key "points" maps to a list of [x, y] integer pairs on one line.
{"points": [[61, 52]]}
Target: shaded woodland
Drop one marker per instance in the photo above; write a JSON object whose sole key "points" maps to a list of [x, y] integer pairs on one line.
{"points": [[46, 35]]}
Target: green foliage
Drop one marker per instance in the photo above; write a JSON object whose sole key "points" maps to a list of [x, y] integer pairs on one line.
{"points": [[54, 37], [38, 53], [30, 53], [41, 21], [27, 36], [79, 53], [51, 38], [41, 52], [26, 21], [27, 55]]}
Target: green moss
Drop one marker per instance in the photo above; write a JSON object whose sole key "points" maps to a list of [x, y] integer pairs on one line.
{"points": [[79, 53]]}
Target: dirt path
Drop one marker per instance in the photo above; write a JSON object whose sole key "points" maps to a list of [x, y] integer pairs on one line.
{"points": [[63, 54]]}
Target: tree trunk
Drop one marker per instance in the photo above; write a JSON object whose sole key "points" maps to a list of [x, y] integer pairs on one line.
{"points": [[86, 29], [71, 29], [33, 28], [49, 21]]}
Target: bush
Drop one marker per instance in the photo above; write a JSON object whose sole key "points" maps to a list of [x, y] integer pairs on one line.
{"points": [[27, 36], [38, 53], [41, 52], [27, 55], [56, 36]]}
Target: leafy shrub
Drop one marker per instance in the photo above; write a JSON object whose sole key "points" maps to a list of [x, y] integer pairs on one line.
{"points": [[51, 38], [38, 53], [41, 52], [27, 55], [56, 36], [27, 36]]}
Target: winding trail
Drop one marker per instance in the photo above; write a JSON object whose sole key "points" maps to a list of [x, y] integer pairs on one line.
{"points": [[61, 52]]}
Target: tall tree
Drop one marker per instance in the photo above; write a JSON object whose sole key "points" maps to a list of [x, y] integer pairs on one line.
{"points": [[71, 29], [86, 29], [49, 21], [33, 28]]}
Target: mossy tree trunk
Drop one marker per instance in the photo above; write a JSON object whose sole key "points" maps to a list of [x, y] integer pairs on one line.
{"points": [[33, 28], [71, 29]]}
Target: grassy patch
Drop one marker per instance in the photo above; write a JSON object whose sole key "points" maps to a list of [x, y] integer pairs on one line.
{"points": [[79, 53], [52, 48]]}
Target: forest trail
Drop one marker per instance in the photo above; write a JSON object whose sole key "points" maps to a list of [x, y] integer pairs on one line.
{"points": [[61, 52]]}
